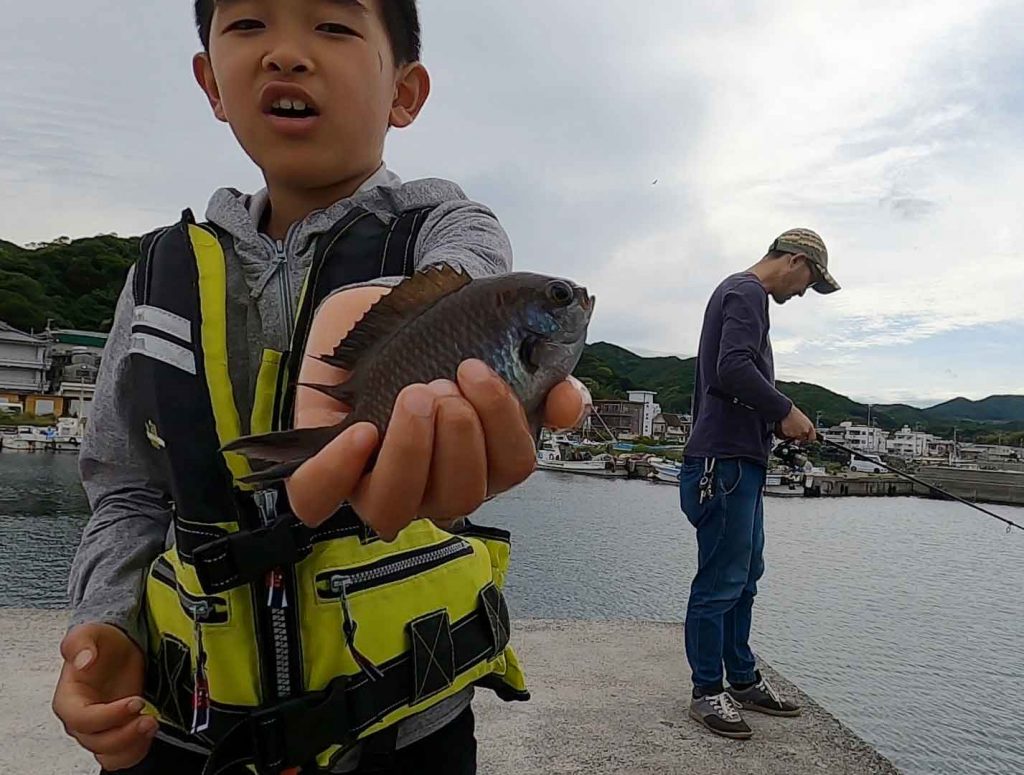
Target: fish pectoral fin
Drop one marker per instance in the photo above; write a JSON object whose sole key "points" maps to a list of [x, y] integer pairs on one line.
{"points": [[297, 445]]}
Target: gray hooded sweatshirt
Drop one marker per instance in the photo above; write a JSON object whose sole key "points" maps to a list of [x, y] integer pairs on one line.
{"points": [[131, 515]]}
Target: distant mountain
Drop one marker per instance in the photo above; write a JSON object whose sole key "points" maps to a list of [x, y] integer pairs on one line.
{"points": [[991, 409], [611, 371]]}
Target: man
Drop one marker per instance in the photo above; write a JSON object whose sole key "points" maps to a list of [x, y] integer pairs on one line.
{"points": [[736, 410]]}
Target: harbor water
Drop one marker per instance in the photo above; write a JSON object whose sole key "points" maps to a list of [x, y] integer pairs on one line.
{"points": [[902, 616]]}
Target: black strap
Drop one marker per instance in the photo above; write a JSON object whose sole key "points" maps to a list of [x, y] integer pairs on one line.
{"points": [[246, 556], [400, 246], [294, 732]]}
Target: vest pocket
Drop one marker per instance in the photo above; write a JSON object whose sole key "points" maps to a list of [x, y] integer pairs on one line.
{"points": [[169, 681], [339, 584], [203, 645]]}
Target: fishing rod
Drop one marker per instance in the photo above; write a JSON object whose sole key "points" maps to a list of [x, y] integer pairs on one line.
{"points": [[1010, 524]]}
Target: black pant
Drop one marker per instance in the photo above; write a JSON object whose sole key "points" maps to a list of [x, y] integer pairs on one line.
{"points": [[449, 751]]}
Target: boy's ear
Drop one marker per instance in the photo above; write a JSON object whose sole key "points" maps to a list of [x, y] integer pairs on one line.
{"points": [[411, 91], [202, 69]]}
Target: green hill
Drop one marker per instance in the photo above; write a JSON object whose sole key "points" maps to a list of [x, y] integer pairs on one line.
{"points": [[991, 409], [74, 283]]}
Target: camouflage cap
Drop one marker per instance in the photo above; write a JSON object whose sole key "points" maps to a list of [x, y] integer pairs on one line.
{"points": [[811, 245]]}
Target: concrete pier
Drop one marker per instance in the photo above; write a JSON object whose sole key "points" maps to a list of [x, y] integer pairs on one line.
{"points": [[608, 697]]}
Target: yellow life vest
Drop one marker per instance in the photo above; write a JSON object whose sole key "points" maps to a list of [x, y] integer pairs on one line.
{"points": [[274, 644]]}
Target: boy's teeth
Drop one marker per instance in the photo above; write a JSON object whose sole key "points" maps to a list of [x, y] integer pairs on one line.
{"points": [[286, 103]]}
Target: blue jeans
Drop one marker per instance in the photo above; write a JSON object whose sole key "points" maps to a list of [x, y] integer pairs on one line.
{"points": [[730, 560]]}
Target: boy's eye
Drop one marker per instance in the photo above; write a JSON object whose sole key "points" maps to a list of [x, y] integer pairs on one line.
{"points": [[244, 25], [337, 29]]}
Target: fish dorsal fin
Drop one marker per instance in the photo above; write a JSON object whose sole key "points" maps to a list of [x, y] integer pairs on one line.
{"points": [[404, 302]]}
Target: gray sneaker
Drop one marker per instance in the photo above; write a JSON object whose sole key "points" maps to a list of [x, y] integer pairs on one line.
{"points": [[763, 698], [720, 713]]}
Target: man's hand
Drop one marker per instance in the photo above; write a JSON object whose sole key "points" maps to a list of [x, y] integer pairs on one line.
{"points": [[797, 427], [98, 695], [448, 447]]}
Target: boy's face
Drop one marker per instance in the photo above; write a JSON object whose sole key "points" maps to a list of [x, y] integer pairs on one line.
{"points": [[331, 56]]}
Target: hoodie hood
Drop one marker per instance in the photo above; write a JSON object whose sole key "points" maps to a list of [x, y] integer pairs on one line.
{"points": [[240, 215]]}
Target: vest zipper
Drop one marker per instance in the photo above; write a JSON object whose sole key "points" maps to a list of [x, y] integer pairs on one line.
{"points": [[339, 585], [200, 612], [342, 583], [277, 602], [399, 567]]}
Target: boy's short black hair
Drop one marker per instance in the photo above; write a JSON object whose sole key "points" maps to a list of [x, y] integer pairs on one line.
{"points": [[401, 20]]}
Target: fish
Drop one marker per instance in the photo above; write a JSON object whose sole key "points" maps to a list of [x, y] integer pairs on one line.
{"points": [[530, 329]]}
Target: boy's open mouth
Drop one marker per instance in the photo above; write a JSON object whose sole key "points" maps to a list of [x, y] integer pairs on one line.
{"points": [[292, 108], [288, 101]]}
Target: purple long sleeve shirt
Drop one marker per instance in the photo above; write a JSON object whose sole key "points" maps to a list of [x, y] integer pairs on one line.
{"points": [[735, 358]]}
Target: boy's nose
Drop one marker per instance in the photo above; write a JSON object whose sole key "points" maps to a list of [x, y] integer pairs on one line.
{"points": [[283, 60]]}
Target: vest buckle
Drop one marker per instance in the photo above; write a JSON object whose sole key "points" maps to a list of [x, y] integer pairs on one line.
{"points": [[293, 732]]}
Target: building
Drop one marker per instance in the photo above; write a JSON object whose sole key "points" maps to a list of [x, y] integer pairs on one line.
{"points": [[859, 437], [650, 410], [988, 454], [671, 427], [53, 373], [909, 444], [23, 368], [75, 362], [624, 419]]}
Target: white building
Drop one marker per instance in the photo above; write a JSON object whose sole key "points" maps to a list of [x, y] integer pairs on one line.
{"points": [[859, 437], [650, 410], [909, 444], [23, 367]]}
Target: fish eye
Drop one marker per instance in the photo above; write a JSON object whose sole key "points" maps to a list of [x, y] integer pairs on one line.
{"points": [[560, 293]]}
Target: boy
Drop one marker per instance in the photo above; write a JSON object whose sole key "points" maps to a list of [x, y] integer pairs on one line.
{"points": [[248, 619]]}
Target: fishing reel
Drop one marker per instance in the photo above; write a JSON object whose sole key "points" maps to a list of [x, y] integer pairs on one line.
{"points": [[790, 454]]}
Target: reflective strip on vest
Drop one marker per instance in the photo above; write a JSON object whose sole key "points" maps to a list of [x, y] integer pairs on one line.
{"points": [[212, 299]]}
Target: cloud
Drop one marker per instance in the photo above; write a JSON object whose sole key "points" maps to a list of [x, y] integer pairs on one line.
{"points": [[892, 129]]}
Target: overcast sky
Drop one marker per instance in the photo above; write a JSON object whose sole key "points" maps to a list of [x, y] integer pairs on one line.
{"points": [[892, 129]]}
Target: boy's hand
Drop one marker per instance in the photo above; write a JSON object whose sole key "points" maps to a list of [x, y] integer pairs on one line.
{"points": [[448, 447], [98, 695]]}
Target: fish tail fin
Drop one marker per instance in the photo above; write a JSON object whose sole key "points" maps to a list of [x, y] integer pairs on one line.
{"points": [[276, 456]]}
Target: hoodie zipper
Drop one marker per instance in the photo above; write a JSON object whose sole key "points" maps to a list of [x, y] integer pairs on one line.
{"points": [[284, 282], [342, 583]]}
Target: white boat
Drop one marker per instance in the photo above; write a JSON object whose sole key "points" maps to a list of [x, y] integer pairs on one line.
{"points": [[69, 434], [665, 470], [29, 438], [550, 458]]}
